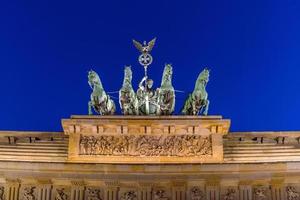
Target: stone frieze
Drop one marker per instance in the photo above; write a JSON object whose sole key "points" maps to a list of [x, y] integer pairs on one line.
{"points": [[146, 145]]}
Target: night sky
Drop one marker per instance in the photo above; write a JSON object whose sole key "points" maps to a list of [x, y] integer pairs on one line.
{"points": [[252, 48]]}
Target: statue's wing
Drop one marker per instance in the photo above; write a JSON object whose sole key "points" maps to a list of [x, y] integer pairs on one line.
{"points": [[151, 44], [138, 45]]}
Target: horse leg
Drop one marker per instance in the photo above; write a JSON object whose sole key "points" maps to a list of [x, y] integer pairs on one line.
{"points": [[206, 107], [90, 108], [195, 111], [113, 107]]}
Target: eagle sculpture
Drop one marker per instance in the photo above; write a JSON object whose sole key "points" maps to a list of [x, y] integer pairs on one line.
{"points": [[144, 48]]}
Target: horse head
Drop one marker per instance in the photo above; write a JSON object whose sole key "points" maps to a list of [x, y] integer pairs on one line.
{"points": [[203, 76], [94, 79], [127, 76]]}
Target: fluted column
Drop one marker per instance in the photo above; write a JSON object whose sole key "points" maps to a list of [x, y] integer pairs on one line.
{"points": [[278, 190], [44, 189], [111, 191], [245, 190], [212, 190], [12, 189], [144, 191], [178, 191], [77, 191]]}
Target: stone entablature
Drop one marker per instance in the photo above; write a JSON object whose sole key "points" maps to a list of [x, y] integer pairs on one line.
{"points": [[246, 147], [140, 139], [256, 165]]}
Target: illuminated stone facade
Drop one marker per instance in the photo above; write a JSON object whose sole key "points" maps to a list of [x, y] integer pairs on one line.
{"points": [[149, 158]]}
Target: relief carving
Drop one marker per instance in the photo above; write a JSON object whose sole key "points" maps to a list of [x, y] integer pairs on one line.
{"points": [[160, 195], [29, 193], [93, 194], [230, 194], [61, 194], [129, 195], [260, 193], [146, 145], [197, 194], [292, 194]]}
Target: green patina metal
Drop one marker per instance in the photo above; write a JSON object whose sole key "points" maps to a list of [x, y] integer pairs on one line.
{"points": [[166, 93], [127, 97], [100, 101], [197, 102], [146, 100]]}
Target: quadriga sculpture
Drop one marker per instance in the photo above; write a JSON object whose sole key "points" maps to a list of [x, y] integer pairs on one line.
{"points": [[166, 93], [100, 101], [127, 97], [197, 102]]}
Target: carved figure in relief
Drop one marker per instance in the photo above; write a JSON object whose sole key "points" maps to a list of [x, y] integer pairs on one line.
{"points": [[160, 195], [60, 194], [166, 93], [29, 193], [130, 195], [127, 97], [1, 193], [100, 101], [93, 194], [197, 102], [146, 145], [292, 194], [230, 194], [197, 194], [260, 193]]}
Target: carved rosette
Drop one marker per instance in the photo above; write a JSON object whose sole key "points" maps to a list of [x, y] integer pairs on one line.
{"points": [[292, 193], [146, 145], [93, 194], [230, 194], [260, 193], [29, 193], [160, 194], [61, 194], [129, 195]]}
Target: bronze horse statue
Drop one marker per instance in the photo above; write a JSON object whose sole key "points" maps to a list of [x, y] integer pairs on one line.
{"points": [[197, 102], [100, 101]]}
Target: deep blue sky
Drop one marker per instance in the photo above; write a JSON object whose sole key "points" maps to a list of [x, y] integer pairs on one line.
{"points": [[252, 48]]}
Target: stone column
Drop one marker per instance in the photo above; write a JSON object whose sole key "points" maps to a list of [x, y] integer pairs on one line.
{"points": [[77, 190], [278, 190], [12, 189], [245, 191], [111, 191], [212, 190], [44, 190], [178, 191], [144, 191]]}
